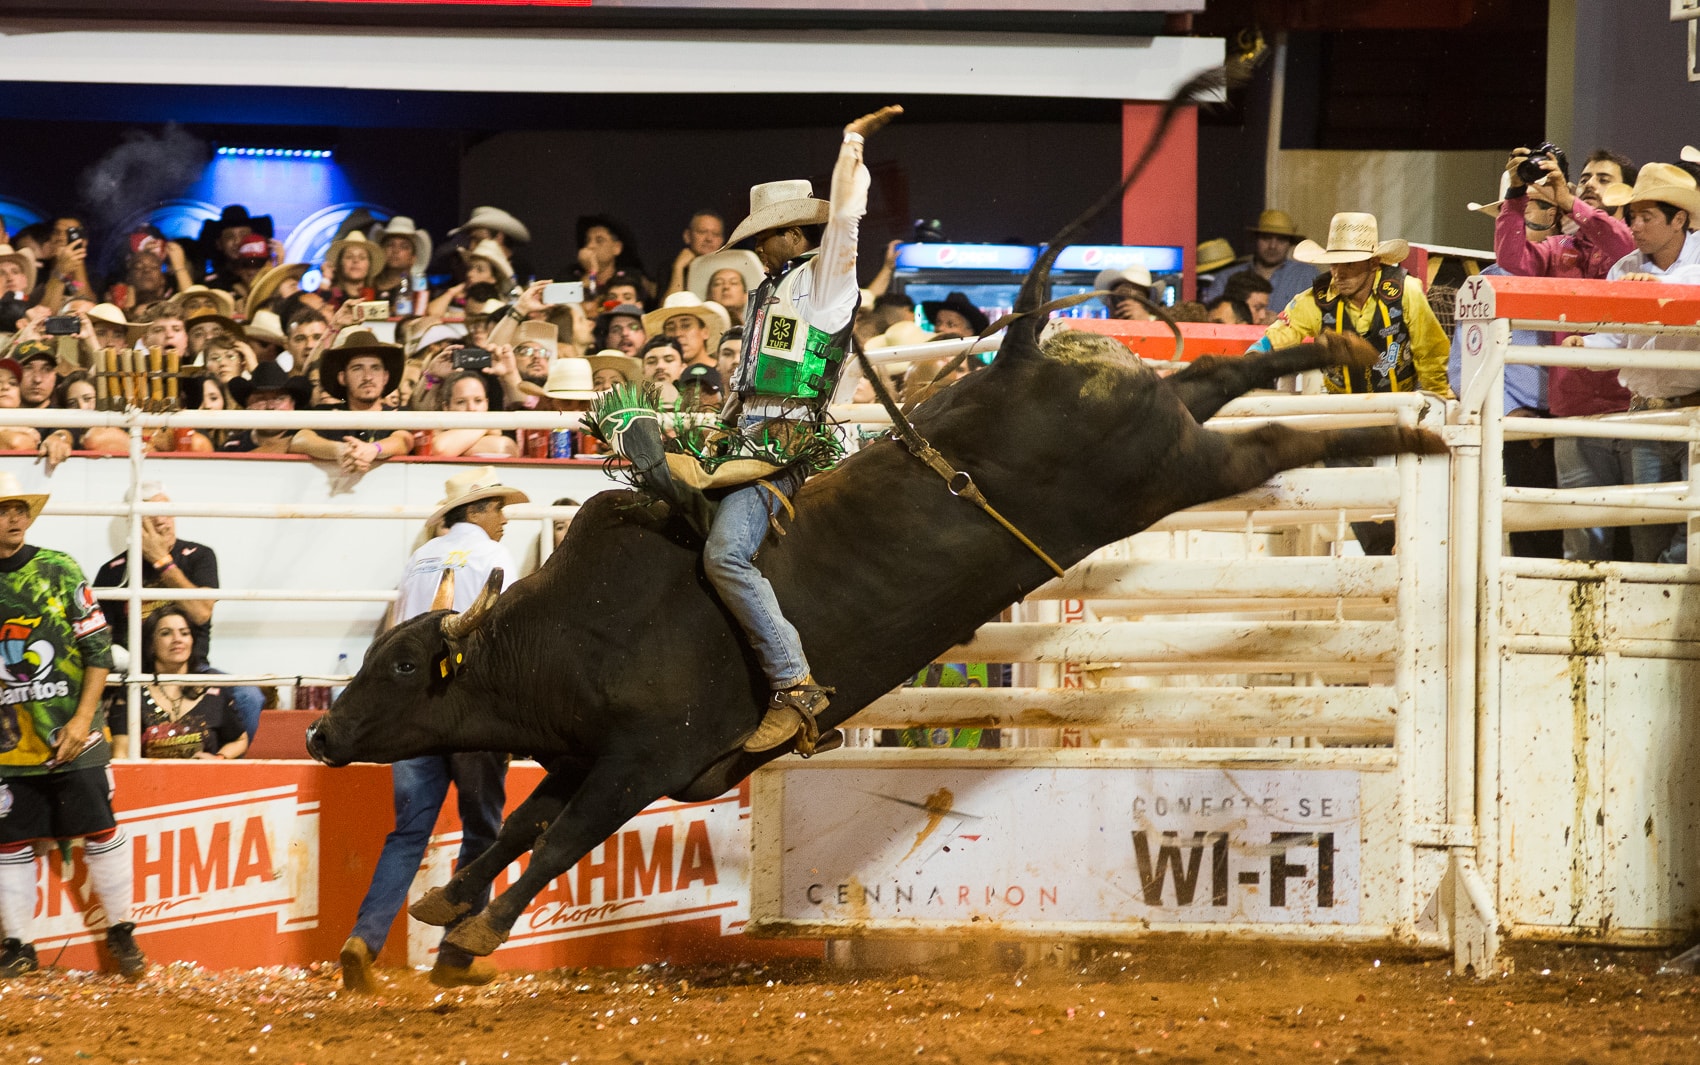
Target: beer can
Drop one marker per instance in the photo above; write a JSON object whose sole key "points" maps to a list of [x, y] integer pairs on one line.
{"points": [[421, 441], [534, 443], [586, 444], [182, 439], [560, 444]]}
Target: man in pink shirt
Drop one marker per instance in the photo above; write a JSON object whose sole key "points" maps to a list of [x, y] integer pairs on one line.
{"points": [[1587, 239]]}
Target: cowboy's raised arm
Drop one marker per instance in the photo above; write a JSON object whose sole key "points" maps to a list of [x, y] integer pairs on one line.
{"points": [[835, 264]]}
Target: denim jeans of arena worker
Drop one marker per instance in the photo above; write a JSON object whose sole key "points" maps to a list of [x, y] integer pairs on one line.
{"points": [[421, 785], [740, 525], [1655, 461], [247, 701], [1591, 462]]}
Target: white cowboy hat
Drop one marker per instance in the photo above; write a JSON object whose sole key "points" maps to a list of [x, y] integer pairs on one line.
{"points": [[1690, 154], [493, 218], [901, 335], [1137, 276], [777, 204], [402, 226], [25, 261], [356, 239], [703, 269], [615, 359], [1662, 183], [472, 486], [543, 334], [1352, 238], [712, 315], [436, 333], [569, 378], [492, 253], [11, 489], [266, 327], [1535, 192], [109, 314], [225, 301]]}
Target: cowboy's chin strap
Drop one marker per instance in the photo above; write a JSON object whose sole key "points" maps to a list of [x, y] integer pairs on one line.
{"points": [[958, 482]]}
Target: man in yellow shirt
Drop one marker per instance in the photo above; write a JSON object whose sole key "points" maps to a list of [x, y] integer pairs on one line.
{"points": [[1366, 292]]}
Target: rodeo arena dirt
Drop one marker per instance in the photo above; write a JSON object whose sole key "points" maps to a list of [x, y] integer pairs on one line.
{"points": [[428, 634]]}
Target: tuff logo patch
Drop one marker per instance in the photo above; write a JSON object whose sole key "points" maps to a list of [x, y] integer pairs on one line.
{"points": [[781, 336]]}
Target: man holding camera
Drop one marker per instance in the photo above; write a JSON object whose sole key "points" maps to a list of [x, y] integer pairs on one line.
{"points": [[1585, 241]]}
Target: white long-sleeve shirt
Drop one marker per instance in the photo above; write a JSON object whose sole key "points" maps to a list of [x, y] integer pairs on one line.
{"points": [[1656, 384], [468, 550]]}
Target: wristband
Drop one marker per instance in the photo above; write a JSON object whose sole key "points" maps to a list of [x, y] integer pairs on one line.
{"points": [[379, 444], [169, 563]]}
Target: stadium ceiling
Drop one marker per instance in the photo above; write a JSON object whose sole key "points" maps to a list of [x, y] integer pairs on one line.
{"points": [[692, 61]]}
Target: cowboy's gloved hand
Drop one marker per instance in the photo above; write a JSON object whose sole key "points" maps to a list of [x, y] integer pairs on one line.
{"points": [[872, 123]]}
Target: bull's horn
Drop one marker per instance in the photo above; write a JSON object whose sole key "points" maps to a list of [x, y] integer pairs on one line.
{"points": [[445, 597], [460, 626]]}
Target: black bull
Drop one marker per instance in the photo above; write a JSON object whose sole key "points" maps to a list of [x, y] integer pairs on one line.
{"points": [[617, 667]]}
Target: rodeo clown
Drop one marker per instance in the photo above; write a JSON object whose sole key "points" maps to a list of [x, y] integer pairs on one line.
{"points": [[773, 433]]}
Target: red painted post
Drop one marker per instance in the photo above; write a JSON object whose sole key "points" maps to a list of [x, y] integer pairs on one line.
{"points": [[1162, 207]]}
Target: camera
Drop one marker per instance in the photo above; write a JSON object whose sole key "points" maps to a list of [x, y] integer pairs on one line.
{"points": [[471, 359], [62, 325], [1530, 172], [373, 310], [11, 309]]}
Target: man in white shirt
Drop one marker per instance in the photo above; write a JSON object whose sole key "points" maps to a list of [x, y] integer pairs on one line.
{"points": [[1664, 211], [448, 572]]}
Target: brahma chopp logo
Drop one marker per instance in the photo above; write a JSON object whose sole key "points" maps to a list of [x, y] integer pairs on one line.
{"points": [[203, 861]]}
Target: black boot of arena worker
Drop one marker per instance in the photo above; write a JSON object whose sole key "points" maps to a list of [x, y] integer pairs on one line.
{"points": [[121, 941], [17, 959]]}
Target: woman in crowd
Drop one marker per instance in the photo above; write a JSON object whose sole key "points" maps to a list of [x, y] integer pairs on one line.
{"points": [[351, 267], [468, 391], [485, 264], [227, 359], [178, 720], [76, 391], [611, 367], [196, 392], [14, 437]]}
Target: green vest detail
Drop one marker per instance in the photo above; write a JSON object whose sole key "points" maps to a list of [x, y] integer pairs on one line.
{"points": [[784, 356]]}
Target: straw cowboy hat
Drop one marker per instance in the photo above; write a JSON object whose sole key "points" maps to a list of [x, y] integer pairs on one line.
{"points": [[702, 270], [778, 204], [1137, 276], [357, 239], [402, 226], [1215, 254], [712, 315], [472, 486], [26, 263], [11, 489], [109, 314], [493, 218], [482, 308], [348, 345], [267, 328], [270, 279], [1661, 183], [225, 301], [228, 324], [903, 334], [570, 378], [1275, 224], [492, 253], [1352, 238], [1690, 154], [614, 359]]}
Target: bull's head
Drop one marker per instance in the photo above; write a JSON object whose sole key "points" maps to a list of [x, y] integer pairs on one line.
{"points": [[405, 701]]}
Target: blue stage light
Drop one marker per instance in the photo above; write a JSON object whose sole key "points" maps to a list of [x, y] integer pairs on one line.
{"points": [[273, 153]]}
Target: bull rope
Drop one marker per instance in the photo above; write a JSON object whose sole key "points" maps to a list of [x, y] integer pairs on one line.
{"points": [[958, 482]]}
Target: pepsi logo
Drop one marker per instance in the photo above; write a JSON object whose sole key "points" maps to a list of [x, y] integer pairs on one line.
{"points": [[947, 256], [1091, 258]]}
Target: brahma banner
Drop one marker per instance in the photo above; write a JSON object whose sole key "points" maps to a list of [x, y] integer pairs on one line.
{"points": [[239, 865]]}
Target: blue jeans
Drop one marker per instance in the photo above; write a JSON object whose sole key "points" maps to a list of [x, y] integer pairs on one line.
{"points": [[247, 701], [1591, 462], [421, 785], [740, 525], [1654, 461]]}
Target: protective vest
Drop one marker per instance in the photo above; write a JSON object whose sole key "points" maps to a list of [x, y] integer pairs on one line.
{"points": [[1396, 369], [785, 357]]}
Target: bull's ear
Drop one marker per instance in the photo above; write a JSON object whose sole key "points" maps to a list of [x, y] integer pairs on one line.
{"points": [[459, 626], [445, 597]]}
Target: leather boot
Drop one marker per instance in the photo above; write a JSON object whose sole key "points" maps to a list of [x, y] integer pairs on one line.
{"points": [[791, 713], [358, 966]]}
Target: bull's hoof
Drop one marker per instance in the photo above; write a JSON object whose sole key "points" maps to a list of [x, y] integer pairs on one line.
{"points": [[1685, 964], [476, 936], [434, 908]]}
